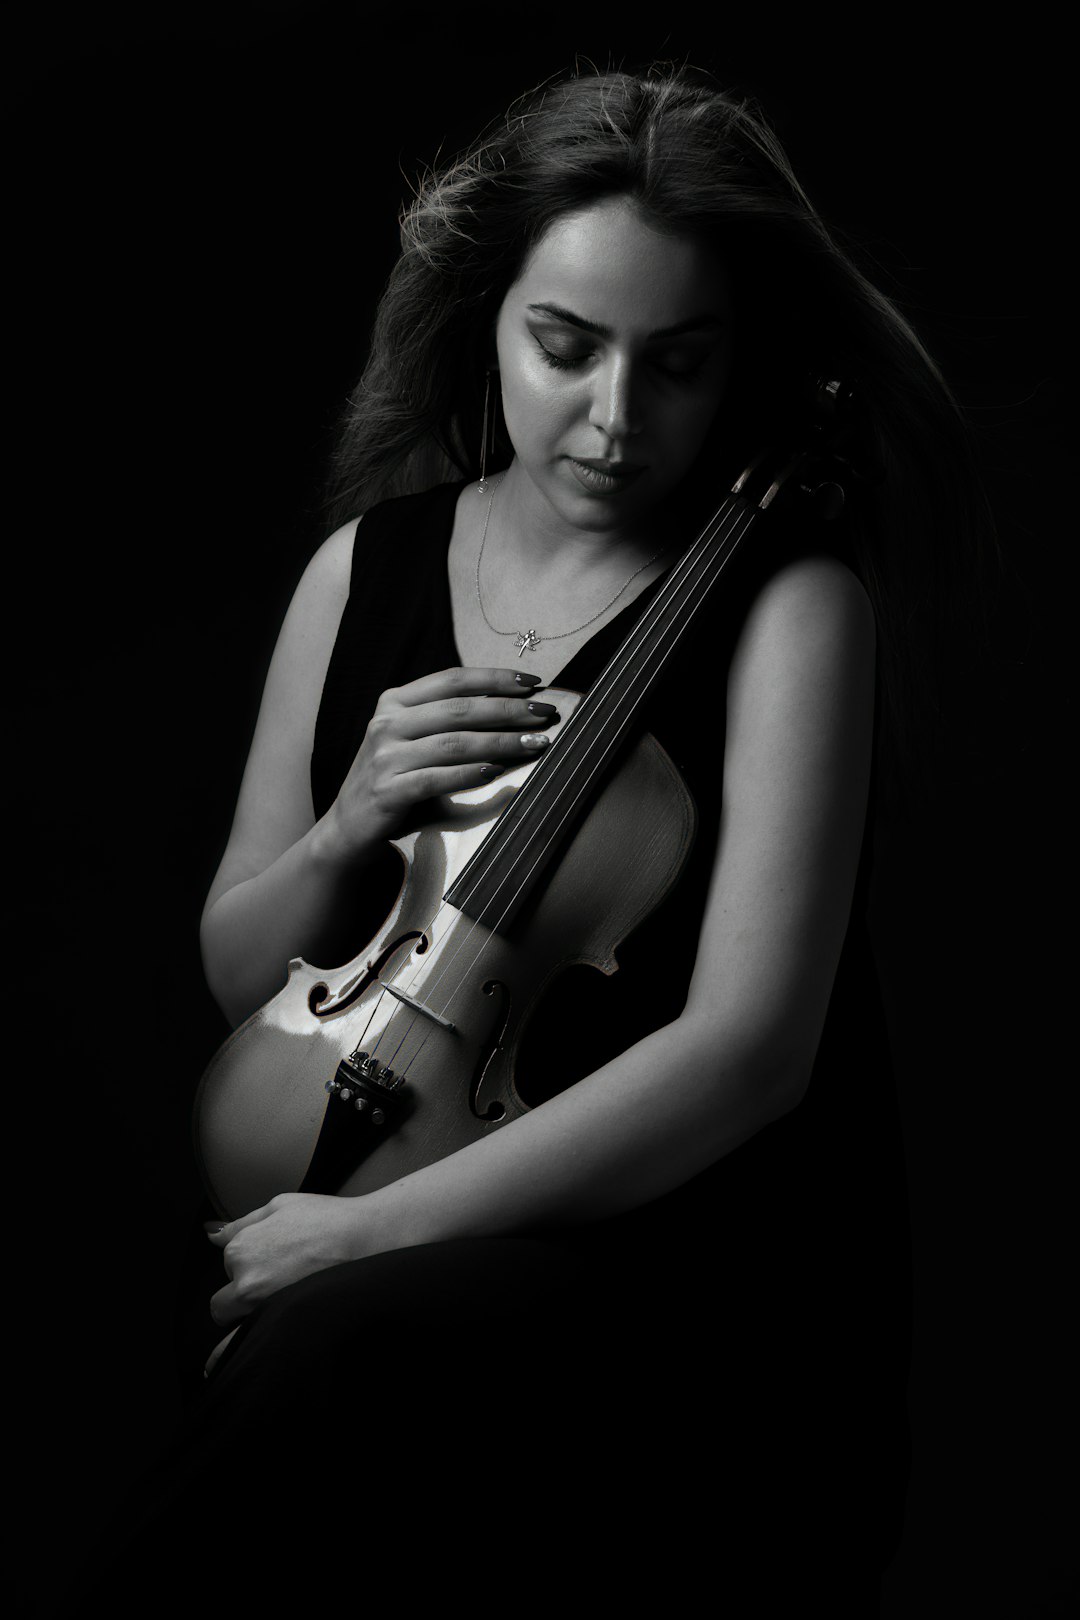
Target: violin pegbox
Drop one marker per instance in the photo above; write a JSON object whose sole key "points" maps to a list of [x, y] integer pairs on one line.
{"points": [[822, 463]]}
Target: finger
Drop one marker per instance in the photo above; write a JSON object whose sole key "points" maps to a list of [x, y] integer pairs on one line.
{"points": [[448, 683], [222, 1232], [218, 1350], [468, 748], [467, 713], [419, 786], [227, 1307]]}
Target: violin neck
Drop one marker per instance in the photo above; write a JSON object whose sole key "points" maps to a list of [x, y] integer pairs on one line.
{"points": [[546, 809]]}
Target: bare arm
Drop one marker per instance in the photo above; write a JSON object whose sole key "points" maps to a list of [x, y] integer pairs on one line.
{"points": [[287, 882], [278, 890], [800, 715]]}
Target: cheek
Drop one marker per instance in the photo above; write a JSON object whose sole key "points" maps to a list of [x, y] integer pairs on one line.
{"points": [[537, 404]]}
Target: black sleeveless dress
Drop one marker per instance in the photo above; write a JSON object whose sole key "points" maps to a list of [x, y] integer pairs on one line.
{"points": [[709, 1388]]}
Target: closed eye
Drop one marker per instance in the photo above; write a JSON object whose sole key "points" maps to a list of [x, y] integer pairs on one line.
{"points": [[678, 364], [563, 362]]}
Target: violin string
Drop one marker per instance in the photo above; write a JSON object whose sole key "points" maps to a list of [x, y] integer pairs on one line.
{"points": [[610, 674], [375, 1007], [597, 766], [705, 563], [655, 608], [467, 972], [717, 561]]}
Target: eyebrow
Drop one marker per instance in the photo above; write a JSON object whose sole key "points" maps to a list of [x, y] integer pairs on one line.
{"points": [[696, 323]]}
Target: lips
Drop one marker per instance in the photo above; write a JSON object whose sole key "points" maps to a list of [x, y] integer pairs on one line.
{"points": [[603, 477], [615, 469]]}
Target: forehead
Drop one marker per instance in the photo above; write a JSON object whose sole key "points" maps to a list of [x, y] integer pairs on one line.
{"points": [[610, 264]]}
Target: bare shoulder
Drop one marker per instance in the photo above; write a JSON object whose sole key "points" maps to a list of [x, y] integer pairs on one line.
{"points": [[314, 615], [811, 624], [327, 577], [800, 697], [274, 807], [813, 600], [334, 557]]}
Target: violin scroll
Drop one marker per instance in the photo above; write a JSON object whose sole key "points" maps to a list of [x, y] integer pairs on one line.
{"points": [[829, 453]]}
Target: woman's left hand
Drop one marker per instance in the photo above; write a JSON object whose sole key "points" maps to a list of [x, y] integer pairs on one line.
{"points": [[292, 1236]]}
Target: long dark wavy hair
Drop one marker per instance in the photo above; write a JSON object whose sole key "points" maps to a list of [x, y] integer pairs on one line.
{"points": [[698, 162]]}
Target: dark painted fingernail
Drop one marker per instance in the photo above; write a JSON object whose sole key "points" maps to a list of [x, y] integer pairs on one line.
{"points": [[213, 1226], [529, 680], [489, 770], [545, 709]]}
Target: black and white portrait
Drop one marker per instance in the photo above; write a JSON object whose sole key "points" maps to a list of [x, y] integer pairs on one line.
{"points": [[538, 632]]}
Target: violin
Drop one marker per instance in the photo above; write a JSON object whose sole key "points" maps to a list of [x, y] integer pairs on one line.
{"points": [[351, 1078]]}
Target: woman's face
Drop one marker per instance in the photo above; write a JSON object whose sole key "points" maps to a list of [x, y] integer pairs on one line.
{"points": [[613, 350]]}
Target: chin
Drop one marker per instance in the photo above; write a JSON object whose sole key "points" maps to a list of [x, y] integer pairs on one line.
{"points": [[598, 510], [596, 516]]}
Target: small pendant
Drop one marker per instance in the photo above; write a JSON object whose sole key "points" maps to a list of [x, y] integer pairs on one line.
{"points": [[526, 640]]}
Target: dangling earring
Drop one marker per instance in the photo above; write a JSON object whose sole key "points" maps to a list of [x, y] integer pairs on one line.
{"points": [[483, 486]]}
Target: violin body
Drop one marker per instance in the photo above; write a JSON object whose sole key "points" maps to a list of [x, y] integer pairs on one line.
{"points": [[352, 1078]]}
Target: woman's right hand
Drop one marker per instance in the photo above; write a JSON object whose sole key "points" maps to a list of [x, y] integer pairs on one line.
{"points": [[440, 734]]}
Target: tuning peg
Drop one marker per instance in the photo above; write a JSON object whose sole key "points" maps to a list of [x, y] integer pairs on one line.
{"points": [[831, 398]]}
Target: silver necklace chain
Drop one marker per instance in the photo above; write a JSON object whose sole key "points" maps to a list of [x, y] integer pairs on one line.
{"points": [[525, 640]]}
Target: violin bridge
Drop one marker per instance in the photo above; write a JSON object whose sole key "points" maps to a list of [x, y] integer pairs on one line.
{"points": [[417, 1006]]}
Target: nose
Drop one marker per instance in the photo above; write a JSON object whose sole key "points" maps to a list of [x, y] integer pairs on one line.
{"points": [[615, 408]]}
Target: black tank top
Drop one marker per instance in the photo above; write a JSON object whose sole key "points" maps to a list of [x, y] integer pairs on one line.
{"points": [[816, 1201]]}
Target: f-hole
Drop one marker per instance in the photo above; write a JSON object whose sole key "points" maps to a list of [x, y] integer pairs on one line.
{"points": [[372, 971], [495, 1110]]}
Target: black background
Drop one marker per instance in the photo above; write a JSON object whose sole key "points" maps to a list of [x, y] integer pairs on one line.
{"points": [[204, 204]]}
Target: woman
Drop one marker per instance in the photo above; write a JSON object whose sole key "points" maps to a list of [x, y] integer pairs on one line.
{"points": [[692, 1250]]}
